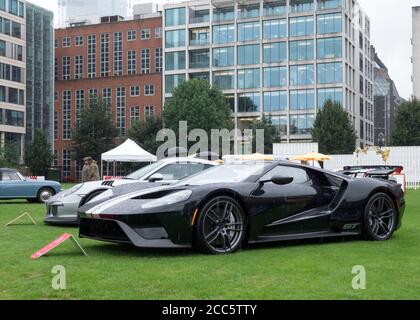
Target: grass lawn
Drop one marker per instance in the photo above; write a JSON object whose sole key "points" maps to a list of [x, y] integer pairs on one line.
{"points": [[297, 270]]}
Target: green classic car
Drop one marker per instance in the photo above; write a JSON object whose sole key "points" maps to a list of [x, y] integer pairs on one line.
{"points": [[13, 185]]}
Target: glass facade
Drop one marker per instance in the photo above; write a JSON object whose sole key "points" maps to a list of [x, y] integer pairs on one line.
{"points": [[275, 101], [301, 124], [175, 38], [302, 75], [249, 102], [175, 17], [249, 54], [330, 72], [199, 59], [275, 29], [224, 34], [333, 94], [248, 31], [302, 99], [249, 78], [275, 52], [175, 60], [329, 23], [329, 48], [301, 50], [223, 57], [224, 80], [301, 26], [173, 81], [275, 77]]}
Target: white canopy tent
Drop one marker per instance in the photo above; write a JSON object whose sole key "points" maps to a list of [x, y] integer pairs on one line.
{"points": [[129, 151]]}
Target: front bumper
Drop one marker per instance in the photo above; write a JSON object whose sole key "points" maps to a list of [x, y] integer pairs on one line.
{"points": [[119, 232], [62, 211]]}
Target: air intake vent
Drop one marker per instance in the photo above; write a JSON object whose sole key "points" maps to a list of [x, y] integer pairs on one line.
{"points": [[108, 183]]}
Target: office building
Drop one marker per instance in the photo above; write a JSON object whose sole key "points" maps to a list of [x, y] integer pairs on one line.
{"points": [[415, 59], [12, 74], [119, 60], [39, 72], [283, 58], [386, 102]]}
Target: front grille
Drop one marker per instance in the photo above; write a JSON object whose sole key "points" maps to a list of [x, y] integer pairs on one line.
{"points": [[103, 229]]}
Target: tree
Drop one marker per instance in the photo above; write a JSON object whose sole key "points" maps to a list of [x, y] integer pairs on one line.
{"points": [[95, 133], [144, 133], [407, 124], [9, 155], [333, 130], [202, 106], [271, 134], [38, 155]]}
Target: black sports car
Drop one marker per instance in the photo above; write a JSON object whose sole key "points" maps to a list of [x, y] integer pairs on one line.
{"points": [[225, 207]]}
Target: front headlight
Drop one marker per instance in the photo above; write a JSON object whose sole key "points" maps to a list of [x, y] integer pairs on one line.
{"points": [[168, 200], [72, 190]]}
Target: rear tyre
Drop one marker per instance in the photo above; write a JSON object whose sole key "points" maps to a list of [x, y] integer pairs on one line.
{"points": [[220, 227], [380, 218], [44, 194]]}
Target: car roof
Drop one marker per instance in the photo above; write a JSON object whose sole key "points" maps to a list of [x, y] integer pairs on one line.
{"points": [[185, 159]]}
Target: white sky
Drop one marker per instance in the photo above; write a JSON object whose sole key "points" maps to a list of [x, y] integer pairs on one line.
{"points": [[391, 34]]}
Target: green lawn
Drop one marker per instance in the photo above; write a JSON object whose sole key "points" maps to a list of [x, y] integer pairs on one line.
{"points": [[298, 270]]}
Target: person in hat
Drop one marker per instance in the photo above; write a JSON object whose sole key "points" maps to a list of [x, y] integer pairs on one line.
{"points": [[90, 171]]}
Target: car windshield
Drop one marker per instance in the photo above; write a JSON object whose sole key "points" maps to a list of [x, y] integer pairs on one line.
{"points": [[237, 172], [137, 175]]}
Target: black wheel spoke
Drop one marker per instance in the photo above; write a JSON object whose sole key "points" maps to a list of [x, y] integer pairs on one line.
{"points": [[382, 217], [214, 237]]}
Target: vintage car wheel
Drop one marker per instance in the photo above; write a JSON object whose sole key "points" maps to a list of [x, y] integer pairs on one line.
{"points": [[44, 194], [221, 226]]}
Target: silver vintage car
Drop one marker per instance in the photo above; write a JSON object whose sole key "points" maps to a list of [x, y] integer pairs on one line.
{"points": [[62, 208]]}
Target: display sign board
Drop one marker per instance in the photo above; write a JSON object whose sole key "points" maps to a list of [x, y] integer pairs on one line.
{"points": [[55, 244]]}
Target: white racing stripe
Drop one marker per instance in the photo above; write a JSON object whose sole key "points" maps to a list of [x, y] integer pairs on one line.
{"points": [[112, 202]]}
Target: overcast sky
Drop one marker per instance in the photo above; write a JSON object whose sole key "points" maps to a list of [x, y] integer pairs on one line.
{"points": [[391, 34]]}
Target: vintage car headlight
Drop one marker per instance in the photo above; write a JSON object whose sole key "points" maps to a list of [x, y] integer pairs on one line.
{"points": [[168, 200], [72, 190]]}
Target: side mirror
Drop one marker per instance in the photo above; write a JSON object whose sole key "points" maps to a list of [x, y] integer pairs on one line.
{"points": [[156, 177], [279, 180]]}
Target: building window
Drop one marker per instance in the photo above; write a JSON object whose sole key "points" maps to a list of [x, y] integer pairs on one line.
{"points": [[175, 38], [224, 80], [131, 35], [107, 97], [66, 115], [249, 78], [175, 60], [66, 163], [93, 93], [145, 34], [175, 17], [55, 125], [223, 57], [275, 52], [199, 36], [275, 29], [66, 68], [121, 111], [301, 124], [158, 60], [173, 81], [302, 99], [329, 23], [301, 5], [301, 50], [131, 63], [280, 123], [249, 54], [275, 101], [224, 34], [135, 91], [275, 77], [249, 102], [80, 104], [333, 94], [302, 75], [104, 55], [330, 72], [275, 8], [149, 111], [248, 31], [145, 61], [158, 32], [92, 56], [223, 14], [329, 4], [135, 115], [329, 48], [78, 41], [118, 53], [149, 90], [78, 67], [199, 59], [66, 42], [301, 26], [248, 12]]}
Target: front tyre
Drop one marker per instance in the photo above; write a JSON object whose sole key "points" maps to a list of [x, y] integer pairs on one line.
{"points": [[380, 218], [44, 194], [221, 226]]}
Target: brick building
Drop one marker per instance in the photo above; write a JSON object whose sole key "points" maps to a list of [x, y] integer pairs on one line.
{"points": [[119, 60]]}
